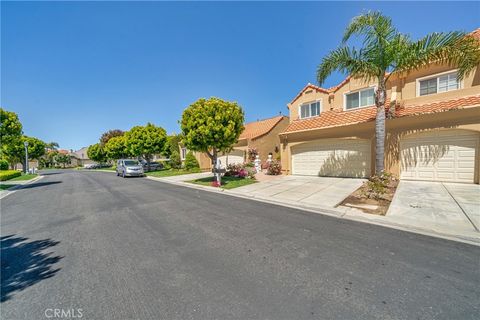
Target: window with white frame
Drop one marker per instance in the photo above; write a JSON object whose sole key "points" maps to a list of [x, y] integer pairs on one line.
{"points": [[362, 98], [441, 83], [310, 109], [184, 153]]}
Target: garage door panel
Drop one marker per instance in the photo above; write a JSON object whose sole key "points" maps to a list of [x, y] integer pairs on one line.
{"points": [[440, 156], [336, 157]]}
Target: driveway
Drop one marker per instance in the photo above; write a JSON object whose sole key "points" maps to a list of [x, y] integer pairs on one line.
{"points": [[142, 249], [320, 192], [435, 205]]}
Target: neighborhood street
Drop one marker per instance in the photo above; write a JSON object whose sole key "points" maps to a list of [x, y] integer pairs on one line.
{"points": [[113, 248]]}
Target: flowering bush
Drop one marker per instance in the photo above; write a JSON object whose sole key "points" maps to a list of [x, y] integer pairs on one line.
{"points": [[274, 168], [233, 169], [240, 171]]}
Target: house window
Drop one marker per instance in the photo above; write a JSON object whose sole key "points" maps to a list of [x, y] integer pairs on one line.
{"points": [[309, 110], [362, 98], [184, 153], [443, 83]]}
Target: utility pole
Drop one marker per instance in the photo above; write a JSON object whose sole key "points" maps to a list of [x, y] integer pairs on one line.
{"points": [[26, 156]]}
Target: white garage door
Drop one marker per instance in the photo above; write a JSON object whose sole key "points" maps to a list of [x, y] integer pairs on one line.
{"points": [[235, 156], [332, 158], [440, 156]]}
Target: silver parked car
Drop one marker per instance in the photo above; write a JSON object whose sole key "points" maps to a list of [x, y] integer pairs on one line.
{"points": [[129, 167]]}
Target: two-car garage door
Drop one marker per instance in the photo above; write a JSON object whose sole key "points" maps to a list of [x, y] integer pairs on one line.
{"points": [[444, 155], [332, 158]]}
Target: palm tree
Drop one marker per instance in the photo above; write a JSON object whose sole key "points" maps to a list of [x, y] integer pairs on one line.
{"points": [[51, 146], [386, 52]]}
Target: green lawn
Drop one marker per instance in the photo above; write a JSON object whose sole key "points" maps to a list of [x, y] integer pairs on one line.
{"points": [[6, 186], [227, 182], [24, 177], [170, 172]]}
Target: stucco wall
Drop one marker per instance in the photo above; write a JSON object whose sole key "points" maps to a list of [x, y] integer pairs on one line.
{"points": [[464, 119], [269, 142]]}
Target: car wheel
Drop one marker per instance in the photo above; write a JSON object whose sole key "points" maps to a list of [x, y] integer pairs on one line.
{"points": [[118, 174]]}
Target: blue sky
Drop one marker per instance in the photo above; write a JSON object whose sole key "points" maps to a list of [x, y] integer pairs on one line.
{"points": [[74, 70]]}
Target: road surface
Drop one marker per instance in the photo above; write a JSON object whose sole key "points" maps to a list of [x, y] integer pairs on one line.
{"points": [[96, 245]]}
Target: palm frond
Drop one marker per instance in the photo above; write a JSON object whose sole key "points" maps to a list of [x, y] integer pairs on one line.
{"points": [[375, 27], [454, 49], [346, 60]]}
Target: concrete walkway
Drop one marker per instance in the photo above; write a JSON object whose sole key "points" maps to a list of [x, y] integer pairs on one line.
{"points": [[183, 177], [444, 207], [320, 192]]}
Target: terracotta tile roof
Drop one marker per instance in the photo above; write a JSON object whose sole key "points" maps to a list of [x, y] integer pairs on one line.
{"points": [[330, 119], [259, 128]]}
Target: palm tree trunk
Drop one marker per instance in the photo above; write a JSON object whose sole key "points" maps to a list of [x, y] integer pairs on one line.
{"points": [[380, 97]]}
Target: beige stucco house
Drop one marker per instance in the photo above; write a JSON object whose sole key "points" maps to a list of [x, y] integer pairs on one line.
{"points": [[262, 135], [432, 130]]}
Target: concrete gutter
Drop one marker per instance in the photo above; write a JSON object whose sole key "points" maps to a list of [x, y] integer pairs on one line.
{"points": [[11, 190], [341, 213]]}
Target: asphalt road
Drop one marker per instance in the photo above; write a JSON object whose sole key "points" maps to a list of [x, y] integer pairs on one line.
{"points": [[103, 247]]}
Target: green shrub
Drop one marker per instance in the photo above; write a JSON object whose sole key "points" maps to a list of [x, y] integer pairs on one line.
{"points": [[377, 185], [175, 161], [190, 161], [9, 174], [3, 164]]}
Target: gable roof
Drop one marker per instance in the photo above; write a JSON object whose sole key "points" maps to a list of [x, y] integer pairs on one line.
{"points": [[330, 119], [254, 130]]}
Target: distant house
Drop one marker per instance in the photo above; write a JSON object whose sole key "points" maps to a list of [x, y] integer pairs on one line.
{"points": [[79, 157]]}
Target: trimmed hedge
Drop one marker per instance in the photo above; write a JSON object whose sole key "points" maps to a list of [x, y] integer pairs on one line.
{"points": [[9, 174]]}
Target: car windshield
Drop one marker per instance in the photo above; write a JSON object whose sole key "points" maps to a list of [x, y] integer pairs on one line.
{"points": [[131, 163]]}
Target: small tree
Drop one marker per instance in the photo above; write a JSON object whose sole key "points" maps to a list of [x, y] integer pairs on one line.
{"points": [[116, 148], [175, 161], [191, 162], [110, 134], [145, 141], [96, 153], [64, 159], [15, 150], [10, 127], [212, 126]]}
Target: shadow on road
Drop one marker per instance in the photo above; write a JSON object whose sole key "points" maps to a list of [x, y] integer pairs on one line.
{"points": [[24, 263], [39, 184]]}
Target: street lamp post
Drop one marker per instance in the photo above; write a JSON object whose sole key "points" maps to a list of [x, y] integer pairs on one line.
{"points": [[26, 156]]}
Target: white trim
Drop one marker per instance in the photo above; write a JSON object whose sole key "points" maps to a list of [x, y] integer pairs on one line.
{"points": [[359, 90], [437, 76], [309, 103]]}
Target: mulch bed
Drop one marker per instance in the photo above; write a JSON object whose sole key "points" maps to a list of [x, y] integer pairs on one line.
{"points": [[359, 201]]}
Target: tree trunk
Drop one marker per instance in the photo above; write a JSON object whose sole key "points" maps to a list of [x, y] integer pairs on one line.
{"points": [[380, 97]]}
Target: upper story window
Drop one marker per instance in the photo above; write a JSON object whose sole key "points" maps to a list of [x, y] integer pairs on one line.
{"points": [[362, 98], [441, 83], [309, 110]]}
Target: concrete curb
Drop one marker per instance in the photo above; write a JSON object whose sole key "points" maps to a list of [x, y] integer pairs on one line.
{"points": [[334, 212], [19, 186]]}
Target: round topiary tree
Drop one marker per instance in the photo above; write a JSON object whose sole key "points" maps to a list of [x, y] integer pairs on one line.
{"points": [[145, 141], [212, 126]]}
